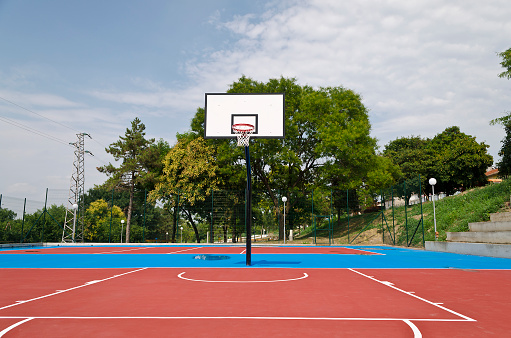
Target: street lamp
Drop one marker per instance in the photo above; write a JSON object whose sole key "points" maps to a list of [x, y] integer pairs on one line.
{"points": [[122, 228], [181, 234], [75, 207], [284, 199], [432, 182]]}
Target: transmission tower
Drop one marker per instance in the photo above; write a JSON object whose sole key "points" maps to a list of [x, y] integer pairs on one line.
{"points": [[73, 224]]}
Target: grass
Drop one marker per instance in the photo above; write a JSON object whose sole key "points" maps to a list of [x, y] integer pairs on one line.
{"points": [[453, 214]]}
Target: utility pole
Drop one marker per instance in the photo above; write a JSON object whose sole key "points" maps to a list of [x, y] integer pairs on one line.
{"points": [[73, 224]]}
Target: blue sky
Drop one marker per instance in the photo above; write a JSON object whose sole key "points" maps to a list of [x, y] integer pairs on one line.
{"points": [[93, 66]]}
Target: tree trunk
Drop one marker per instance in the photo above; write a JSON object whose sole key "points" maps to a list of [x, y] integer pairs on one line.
{"points": [[174, 225], [225, 233], [190, 219], [130, 210]]}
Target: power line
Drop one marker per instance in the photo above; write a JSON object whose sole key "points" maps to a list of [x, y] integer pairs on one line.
{"points": [[33, 112], [40, 133], [32, 130]]}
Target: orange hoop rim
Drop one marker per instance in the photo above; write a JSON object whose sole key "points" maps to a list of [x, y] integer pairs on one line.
{"points": [[243, 128]]}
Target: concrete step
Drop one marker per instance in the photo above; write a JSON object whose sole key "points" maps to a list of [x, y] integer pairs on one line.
{"points": [[478, 249], [496, 237], [500, 217], [490, 226]]}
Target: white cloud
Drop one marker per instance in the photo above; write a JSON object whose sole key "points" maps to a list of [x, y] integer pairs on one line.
{"points": [[421, 66]]}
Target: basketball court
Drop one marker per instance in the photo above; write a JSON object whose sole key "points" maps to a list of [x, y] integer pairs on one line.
{"points": [[159, 290], [261, 291]]}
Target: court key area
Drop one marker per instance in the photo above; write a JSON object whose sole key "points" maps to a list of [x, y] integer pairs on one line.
{"points": [[208, 291]]}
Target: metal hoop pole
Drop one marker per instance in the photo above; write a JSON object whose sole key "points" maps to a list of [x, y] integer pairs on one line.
{"points": [[248, 209]]}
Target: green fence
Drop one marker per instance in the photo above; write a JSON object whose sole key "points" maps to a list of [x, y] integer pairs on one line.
{"points": [[318, 216]]}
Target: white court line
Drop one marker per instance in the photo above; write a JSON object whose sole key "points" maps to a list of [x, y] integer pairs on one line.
{"points": [[70, 289], [4, 331], [371, 252], [241, 253], [408, 321], [416, 332], [242, 281], [195, 248], [376, 319], [390, 285], [109, 252]]}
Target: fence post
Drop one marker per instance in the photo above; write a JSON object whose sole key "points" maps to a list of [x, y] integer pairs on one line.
{"points": [[422, 219], [406, 213], [393, 217], [145, 202], [382, 202], [23, 220], [348, 211], [111, 215], [177, 213], [44, 214], [211, 240]]}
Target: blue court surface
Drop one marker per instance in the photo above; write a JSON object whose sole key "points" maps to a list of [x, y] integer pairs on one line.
{"points": [[383, 258]]}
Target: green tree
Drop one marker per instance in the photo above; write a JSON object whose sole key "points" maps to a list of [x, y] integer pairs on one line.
{"points": [[504, 165], [138, 157], [45, 225], [98, 218], [505, 63], [9, 229], [327, 138], [409, 153], [455, 159], [189, 175]]}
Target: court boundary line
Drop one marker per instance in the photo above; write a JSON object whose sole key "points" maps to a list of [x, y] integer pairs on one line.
{"points": [[58, 292], [411, 293], [245, 317], [113, 252], [170, 253], [407, 321]]}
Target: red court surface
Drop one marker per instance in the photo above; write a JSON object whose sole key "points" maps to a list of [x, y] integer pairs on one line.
{"points": [[190, 250], [255, 302]]}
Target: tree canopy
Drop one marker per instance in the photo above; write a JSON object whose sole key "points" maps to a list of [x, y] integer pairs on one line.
{"points": [[327, 142], [189, 171], [139, 159], [505, 63], [504, 165], [455, 159]]}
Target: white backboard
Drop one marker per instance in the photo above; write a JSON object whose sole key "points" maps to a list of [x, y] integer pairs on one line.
{"points": [[264, 111]]}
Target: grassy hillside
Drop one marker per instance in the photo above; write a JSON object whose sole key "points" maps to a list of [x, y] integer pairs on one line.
{"points": [[452, 214]]}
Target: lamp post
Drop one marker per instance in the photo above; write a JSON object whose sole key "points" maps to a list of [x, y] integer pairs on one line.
{"points": [[284, 199], [432, 182], [181, 234], [75, 207], [122, 228]]}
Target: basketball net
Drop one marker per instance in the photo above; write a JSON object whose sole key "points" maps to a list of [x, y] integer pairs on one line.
{"points": [[243, 132]]}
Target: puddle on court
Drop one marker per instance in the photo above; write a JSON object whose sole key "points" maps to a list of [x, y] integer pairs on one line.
{"points": [[208, 257]]}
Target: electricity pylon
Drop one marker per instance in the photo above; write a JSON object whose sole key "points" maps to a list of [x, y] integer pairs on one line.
{"points": [[73, 224]]}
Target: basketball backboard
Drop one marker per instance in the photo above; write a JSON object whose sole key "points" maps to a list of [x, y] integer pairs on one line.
{"points": [[264, 111]]}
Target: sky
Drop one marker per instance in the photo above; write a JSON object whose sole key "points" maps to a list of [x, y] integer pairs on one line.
{"points": [[70, 66]]}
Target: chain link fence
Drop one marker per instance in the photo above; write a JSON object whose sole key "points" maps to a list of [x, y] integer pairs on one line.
{"points": [[320, 216]]}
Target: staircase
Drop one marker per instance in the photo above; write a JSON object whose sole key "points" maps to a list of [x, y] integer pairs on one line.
{"points": [[491, 238]]}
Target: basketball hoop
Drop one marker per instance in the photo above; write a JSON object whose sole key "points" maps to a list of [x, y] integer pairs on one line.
{"points": [[243, 132]]}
